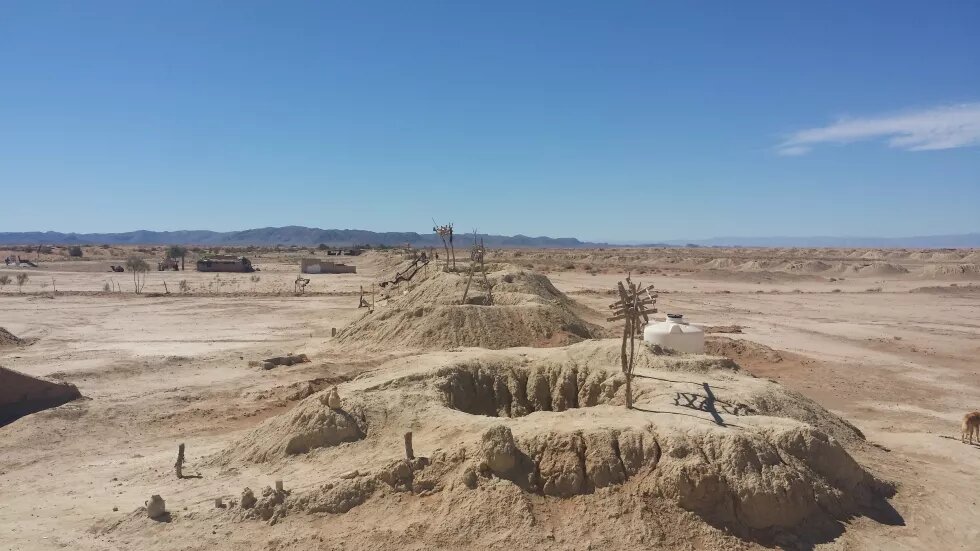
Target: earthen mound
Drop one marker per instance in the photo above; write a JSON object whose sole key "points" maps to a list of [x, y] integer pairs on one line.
{"points": [[881, 268], [21, 394], [531, 428], [9, 339], [310, 425], [746, 481], [741, 350], [809, 266], [521, 309], [951, 271]]}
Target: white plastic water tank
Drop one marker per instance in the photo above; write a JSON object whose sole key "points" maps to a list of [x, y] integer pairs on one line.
{"points": [[676, 334]]}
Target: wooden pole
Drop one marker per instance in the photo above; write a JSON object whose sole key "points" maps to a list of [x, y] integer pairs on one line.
{"points": [[469, 280], [409, 452], [179, 465]]}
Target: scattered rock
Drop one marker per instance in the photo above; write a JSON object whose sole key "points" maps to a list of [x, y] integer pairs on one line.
{"points": [[333, 399], [248, 499], [468, 477], [499, 451], [397, 474], [269, 507], [156, 507], [287, 360], [337, 498]]}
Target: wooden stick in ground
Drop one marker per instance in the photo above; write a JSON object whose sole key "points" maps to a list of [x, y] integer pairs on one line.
{"points": [[409, 451], [179, 465], [634, 323], [625, 301], [452, 249], [486, 280], [469, 280]]}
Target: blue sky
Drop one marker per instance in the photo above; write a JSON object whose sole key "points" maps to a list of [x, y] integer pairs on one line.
{"points": [[623, 121]]}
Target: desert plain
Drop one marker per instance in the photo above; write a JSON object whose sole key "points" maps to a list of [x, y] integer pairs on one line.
{"points": [[825, 413]]}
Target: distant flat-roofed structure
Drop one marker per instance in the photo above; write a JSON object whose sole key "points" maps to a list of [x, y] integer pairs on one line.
{"points": [[224, 263], [321, 266], [344, 252]]}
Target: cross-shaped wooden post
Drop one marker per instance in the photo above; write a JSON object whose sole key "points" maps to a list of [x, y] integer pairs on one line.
{"points": [[634, 306]]}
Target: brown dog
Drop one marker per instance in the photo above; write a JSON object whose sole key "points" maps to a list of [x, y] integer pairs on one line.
{"points": [[971, 426]]}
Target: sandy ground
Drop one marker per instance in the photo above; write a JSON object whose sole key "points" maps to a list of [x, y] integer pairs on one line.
{"points": [[157, 370]]}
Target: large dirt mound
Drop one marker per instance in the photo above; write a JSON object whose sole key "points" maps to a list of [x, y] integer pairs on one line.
{"points": [[21, 394], [531, 426], [311, 425], [426, 313], [951, 271], [880, 268]]}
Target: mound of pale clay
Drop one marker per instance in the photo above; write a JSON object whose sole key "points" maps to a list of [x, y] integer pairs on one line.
{"points": [[881, 268], [310, 425], [950, 271], [427, 313], [779, 478], [506, 438], [809, 266], [519, 433]]}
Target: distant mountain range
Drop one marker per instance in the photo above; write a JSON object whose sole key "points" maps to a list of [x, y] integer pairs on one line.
{"points": [[303, 236], [965, 240], [288, 235]]}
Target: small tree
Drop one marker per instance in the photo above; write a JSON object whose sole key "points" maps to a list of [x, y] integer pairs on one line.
{"points": [[21, 280], [138, 267], [4, 281], [175, 252], [446, 234], [75, 251]]}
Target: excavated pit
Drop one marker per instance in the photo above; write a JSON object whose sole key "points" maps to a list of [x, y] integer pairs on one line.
{"points": [[516, 391]]}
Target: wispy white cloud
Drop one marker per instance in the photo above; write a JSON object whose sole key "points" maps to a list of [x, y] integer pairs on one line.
{"points": [[945, 127]]}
